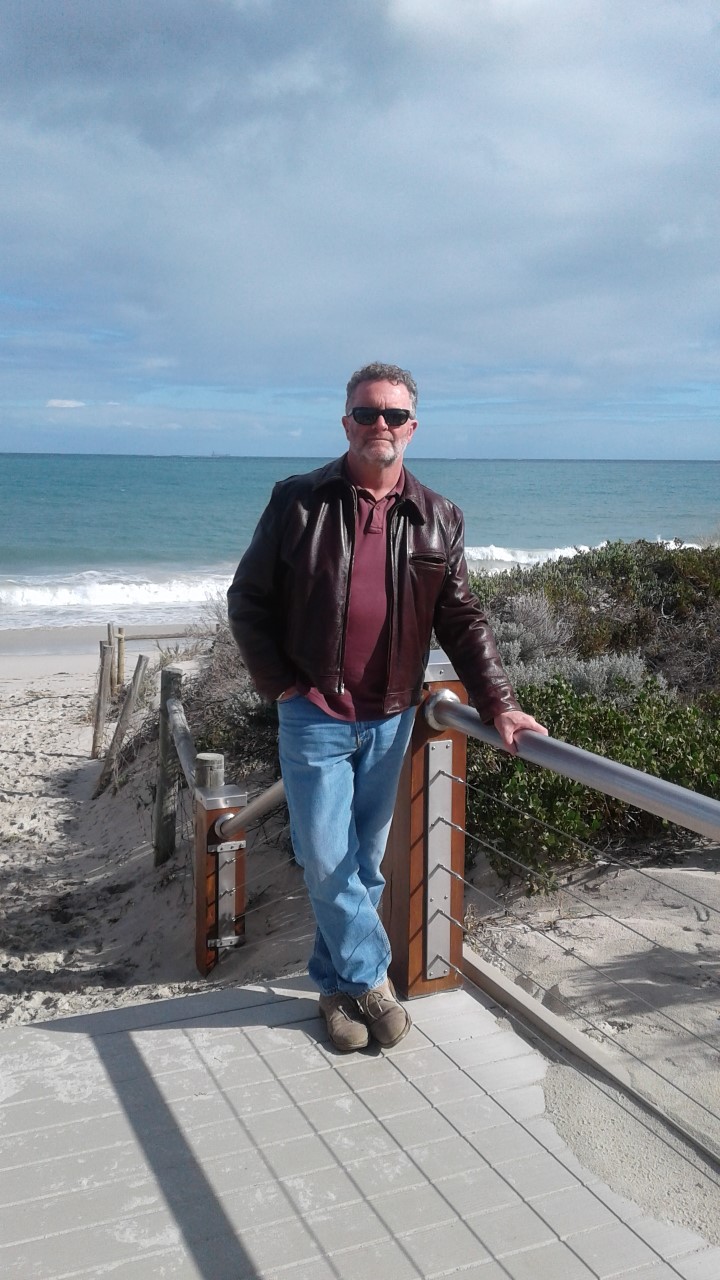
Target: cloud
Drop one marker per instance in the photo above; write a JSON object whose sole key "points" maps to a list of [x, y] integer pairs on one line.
{"points": [[65, 404], [256, 197]]}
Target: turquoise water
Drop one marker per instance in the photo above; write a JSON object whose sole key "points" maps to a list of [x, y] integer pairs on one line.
{"points": [[85, 538]]}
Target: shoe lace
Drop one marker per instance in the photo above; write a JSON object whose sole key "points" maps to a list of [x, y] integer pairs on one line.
{"points": [[374, 1004]]}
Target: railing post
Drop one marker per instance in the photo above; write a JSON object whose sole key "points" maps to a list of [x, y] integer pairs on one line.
{"points": [[120, 657], [103, 697], [419, 894], [122, 725], [219, 866], [166, 780], [113, 666]]}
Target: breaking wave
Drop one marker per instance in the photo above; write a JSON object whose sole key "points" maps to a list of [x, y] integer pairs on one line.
{"points": [[84, 598], [136, 597]]}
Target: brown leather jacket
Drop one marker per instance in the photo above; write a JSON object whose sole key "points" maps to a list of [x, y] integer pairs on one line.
{"points": [[288, 601]]}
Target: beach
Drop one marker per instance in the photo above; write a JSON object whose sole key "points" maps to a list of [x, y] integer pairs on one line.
{"points": [[88, 921]]}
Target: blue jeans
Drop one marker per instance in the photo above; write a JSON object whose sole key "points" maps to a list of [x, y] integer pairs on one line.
{"points": [[341, 781]]}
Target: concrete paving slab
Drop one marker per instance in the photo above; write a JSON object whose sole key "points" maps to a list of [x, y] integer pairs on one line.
{"points": [[222, 1136], [704, 1266]]}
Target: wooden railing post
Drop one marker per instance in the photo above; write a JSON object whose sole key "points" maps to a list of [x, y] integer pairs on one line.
{"points": [[113, 664], [166, 780], [120, 657], [219, 866], [122, 725], [405, 899], [103, 697]]}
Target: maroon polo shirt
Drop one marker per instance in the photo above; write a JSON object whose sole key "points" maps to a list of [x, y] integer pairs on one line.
{"points": [[368, 623]]}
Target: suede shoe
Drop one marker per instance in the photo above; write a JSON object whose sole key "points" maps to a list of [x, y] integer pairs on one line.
{"points": [[346, 1030], [387, 1019]]}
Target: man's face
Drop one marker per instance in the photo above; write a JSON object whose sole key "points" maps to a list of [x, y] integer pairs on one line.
{"points": [[379, 445]]}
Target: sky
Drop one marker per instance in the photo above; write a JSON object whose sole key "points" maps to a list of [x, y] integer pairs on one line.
{"points": [[213, 211]]}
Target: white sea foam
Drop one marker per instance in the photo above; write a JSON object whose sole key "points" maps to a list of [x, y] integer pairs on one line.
{"points": [[136, 597], [497, 559], [84, 598], [494, 559]]}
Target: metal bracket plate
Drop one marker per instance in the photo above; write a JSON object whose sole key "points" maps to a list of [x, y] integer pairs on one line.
{"points": [[226, 890], [438, 858], [226, 797], [439, 667]]}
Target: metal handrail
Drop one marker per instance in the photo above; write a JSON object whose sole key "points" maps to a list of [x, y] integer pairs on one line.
{"points": [[689, 809], [232, 824]]}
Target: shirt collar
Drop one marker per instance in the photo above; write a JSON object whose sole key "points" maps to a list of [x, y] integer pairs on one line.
{"points": [[396, 492]]}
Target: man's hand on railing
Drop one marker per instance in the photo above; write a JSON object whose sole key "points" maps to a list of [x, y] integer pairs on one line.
{"points": [[509, 723]]}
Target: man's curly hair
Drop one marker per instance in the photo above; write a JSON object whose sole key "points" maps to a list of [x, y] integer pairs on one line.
{"points": [[377, 372]]}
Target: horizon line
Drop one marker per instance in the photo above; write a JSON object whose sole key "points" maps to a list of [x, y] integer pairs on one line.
{"points": [[311, 457]]}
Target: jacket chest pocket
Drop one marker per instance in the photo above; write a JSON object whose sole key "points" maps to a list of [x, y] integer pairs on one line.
{"points": [[428, 562], [428, 570]]}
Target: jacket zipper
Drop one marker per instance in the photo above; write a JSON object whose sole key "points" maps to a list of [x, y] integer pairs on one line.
{"points": [[341, 673], [392, 521]]}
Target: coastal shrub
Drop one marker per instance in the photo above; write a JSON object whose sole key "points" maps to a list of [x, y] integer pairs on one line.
{"points": [[688, 652], [530, 618], [653, 732], [643, 574], [227, 715], [661, 601], [617, 676], [244, 728]]}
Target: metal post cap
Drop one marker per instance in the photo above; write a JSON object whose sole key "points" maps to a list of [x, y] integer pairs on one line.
{"points": [[441, 695]]}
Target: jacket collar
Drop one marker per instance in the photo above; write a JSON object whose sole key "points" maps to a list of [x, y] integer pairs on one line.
{"points": [[414, 494]]}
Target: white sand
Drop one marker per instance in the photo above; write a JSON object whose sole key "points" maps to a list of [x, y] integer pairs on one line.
{"points": [[88, 921]]}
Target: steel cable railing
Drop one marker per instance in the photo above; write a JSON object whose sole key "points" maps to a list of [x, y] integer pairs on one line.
{"points": [[665, 799], [571, 893], [570, 952], [598, 858], [554, 1051], [699, 813], [583, 1017]]}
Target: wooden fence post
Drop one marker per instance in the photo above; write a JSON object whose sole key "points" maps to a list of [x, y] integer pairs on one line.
{"points": [[113, 666], [122, 725], [120, 657], [405, 867], [103, 696], [219, 867], [168, 772]]}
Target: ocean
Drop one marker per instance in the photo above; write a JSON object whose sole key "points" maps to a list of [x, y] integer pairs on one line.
{"points": [[88, 539]]}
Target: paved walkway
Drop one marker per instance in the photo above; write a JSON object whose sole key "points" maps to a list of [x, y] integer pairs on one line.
{"points": [[218, 1136]]}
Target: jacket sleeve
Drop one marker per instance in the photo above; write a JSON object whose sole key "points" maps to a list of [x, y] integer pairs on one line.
{"points": [[255, 609], [465, 635]]}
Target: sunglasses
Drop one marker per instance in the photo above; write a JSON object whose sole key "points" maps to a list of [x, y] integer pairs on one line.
{"points": [[368, 417]]}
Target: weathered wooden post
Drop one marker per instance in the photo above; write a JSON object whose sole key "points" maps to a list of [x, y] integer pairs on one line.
{"points": [[122, 725], [219, 865], [120, 657], [166, 780], [419, 894], [113, 666], [103, 697]]}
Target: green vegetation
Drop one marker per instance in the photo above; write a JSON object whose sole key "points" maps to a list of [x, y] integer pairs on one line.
{"points": [[616, 651]]}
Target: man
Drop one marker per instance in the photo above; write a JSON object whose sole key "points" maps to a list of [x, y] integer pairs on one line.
{"points": [[333, 604]]}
